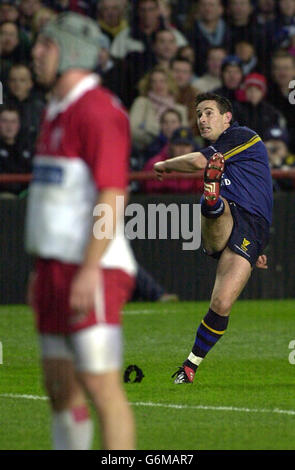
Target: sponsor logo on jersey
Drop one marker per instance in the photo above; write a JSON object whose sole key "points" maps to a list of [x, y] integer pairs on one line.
{"points": [[245, 244], [225, 181], [47, 174]]}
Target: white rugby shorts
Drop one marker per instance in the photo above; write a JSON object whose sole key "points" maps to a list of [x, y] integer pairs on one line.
{"points": [[96, 349]]}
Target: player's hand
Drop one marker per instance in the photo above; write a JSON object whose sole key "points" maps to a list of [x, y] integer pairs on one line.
{"points": [[83, 291], [159, 169], [262, 262]]}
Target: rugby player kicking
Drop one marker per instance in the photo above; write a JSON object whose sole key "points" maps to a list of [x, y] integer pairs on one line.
{"points": [[236, 210], [81, 280]]}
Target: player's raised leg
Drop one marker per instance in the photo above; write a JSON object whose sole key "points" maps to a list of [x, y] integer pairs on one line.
{"points": [[216, 231], [233, 272], [217, 222], [72, 428]]}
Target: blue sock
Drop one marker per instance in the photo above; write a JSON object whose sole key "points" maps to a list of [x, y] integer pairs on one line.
{"points": [[212, 212], [211, 329]]}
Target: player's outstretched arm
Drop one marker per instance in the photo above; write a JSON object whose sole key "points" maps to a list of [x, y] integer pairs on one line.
{"points": [[188, 163]]}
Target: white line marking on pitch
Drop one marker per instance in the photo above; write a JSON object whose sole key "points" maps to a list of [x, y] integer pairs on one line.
{"points": [[173, 406], [215, 408], [148, 312], [137, 312], [145, 311], [26, 397]]}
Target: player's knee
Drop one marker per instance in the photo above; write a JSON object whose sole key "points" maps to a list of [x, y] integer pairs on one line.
{"points": [[221, 305], [105, 390], [58, 394]]}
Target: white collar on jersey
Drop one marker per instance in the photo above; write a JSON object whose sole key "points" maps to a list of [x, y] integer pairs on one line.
{"points": [[58, 106]]}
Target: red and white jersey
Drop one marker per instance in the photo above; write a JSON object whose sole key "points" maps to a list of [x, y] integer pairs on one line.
{"points": [[83, 148]]}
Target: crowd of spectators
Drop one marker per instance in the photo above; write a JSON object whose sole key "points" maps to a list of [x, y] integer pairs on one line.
{"points": [[156, 57]]}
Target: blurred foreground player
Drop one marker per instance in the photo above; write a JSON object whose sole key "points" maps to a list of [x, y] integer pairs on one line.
{"points": [[236, 212], [82, 277]]}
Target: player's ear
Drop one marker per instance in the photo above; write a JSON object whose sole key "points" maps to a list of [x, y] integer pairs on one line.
{"points": [[229, 117]]}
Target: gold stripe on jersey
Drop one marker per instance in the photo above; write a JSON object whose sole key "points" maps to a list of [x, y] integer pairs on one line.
{"points": [[242, 147]]}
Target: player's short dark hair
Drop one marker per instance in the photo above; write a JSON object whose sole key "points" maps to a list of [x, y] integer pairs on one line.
{"points": [[224, 105]]}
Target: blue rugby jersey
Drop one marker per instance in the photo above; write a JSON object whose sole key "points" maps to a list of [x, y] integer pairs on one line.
{"points": [[247, 177]]}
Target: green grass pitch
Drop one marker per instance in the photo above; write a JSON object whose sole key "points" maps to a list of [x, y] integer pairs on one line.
{"points": [[242, 398]]}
